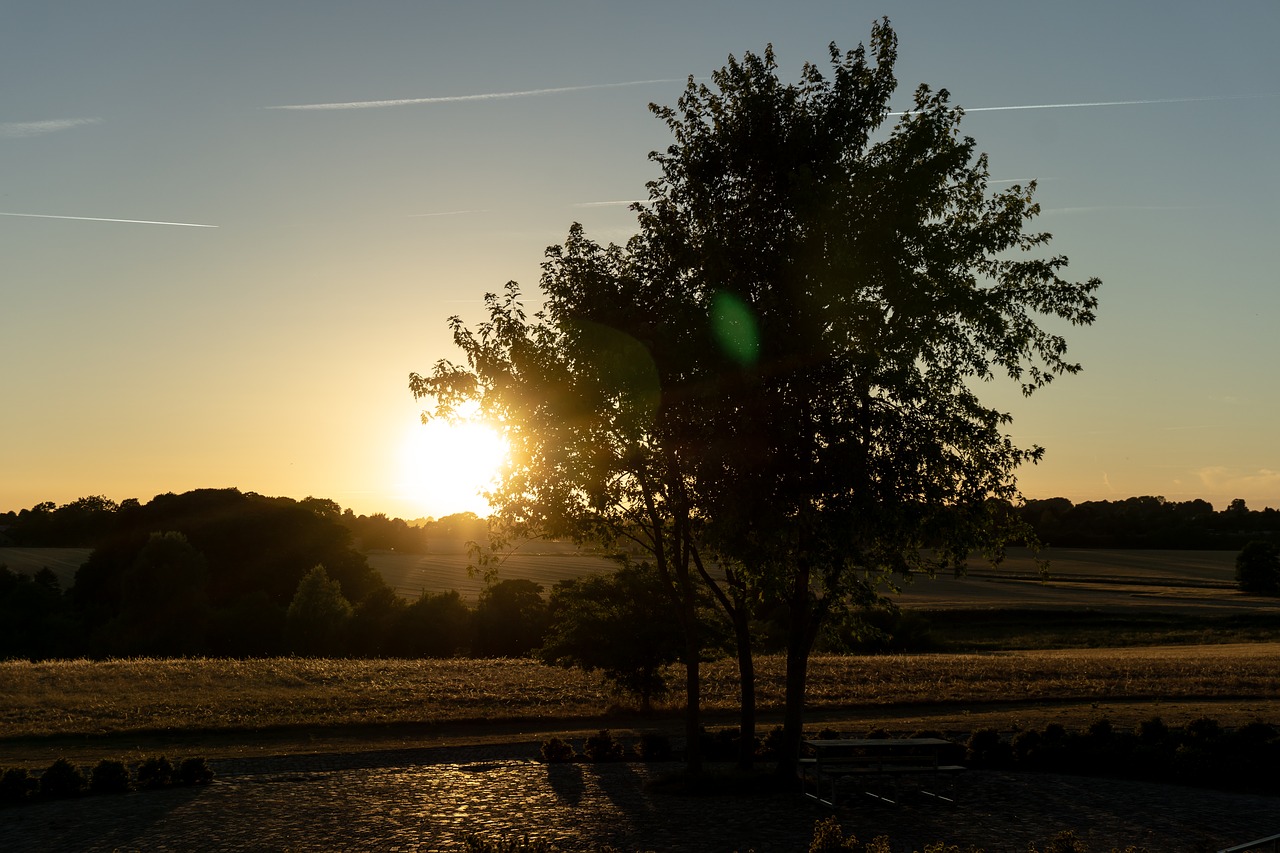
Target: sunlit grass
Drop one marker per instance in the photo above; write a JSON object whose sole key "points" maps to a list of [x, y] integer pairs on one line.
{"points": [[195, 695]]}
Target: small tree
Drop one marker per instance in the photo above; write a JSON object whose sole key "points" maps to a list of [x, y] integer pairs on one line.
{"points": [[620, 624], [511, 619], [1258, 568], [318, 616], [374, 624], [436, 626]]}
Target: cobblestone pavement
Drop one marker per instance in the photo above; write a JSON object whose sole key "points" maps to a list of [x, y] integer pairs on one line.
{"points": [[431, 799]]}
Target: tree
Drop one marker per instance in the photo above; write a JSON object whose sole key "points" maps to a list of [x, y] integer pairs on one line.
{"points": [[620, 624], [164, 606], [318, 616], [253, 546], [1258, 568], [375, 621], [578, 405], [435, 626], [778, 370], [859, 284], [510, 619]]}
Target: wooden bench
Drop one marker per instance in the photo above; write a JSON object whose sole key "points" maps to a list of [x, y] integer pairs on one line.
{"points": [[839, 759]]}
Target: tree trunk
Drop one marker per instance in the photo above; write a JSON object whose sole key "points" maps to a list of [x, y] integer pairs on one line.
{"points": [[801, 633], [747, 677], [693, 696]]}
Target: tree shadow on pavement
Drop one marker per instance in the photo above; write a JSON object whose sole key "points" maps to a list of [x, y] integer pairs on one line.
{"points": [[567, 782]]}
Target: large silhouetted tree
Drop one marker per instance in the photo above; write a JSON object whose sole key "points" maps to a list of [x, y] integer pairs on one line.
{"points": [[860, 282], [780, 368]]}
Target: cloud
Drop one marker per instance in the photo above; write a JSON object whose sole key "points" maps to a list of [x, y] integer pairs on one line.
{"points": [[1113, 103], [452, 99], [22, 129], [1222, 479], [102, 219]]}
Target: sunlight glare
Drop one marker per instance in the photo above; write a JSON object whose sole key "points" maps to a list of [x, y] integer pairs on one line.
{"points": [[445, 466]]}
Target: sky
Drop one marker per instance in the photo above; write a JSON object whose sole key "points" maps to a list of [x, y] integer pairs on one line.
{"points": [[206, 286]]}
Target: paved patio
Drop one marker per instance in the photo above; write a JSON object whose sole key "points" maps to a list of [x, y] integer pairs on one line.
{"points": [[431, 799]]}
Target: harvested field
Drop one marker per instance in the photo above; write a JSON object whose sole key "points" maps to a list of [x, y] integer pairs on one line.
{"points": [[91, 698]]}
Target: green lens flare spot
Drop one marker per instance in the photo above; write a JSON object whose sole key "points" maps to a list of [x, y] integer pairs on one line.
{"points": [[734, 325]]}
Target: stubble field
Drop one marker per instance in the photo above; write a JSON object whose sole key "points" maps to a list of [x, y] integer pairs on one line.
{"points": [[54, 704]]}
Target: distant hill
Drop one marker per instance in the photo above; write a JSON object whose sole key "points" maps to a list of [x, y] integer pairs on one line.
{"points": [[63, 562]]}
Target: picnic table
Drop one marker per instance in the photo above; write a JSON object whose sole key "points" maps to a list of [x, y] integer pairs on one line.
{"points": [[836, 760]]}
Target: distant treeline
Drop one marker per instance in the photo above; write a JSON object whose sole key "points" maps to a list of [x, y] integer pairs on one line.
{"points": [[1137, 522], [221, 572], [90, 521], [225, 573], [1149, 522]]}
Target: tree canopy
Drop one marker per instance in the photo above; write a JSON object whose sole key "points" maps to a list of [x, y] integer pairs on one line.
{"points": [[779, 372]]}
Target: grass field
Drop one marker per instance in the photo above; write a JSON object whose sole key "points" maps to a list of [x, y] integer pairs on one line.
{"points": [[77, 701]]}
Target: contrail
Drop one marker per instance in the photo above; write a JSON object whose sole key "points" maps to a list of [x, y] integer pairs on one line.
{"points": [[102, 219], [450, 212], [450, 99], [20, 129], [1111, 103], [1097, 207], [611, 203]]}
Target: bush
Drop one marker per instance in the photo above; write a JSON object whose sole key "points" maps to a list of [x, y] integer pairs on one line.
{"points": [[1204, 730], [829, 837], [17, 785], [1255, 733], [1153, 732], [771, 746], [1258, 568], [556, 751], [1026, 747], [194, 771], [109, 776], [155, 773], [1065, 842], [985, 748], [62, 779], [602, 746], [1101, 730], [722, 744], [654, 746]]}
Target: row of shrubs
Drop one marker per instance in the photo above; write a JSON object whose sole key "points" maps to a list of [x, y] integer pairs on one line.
{"points": [[719, 745], [109, 776], [603, 746], [1202, 753]]}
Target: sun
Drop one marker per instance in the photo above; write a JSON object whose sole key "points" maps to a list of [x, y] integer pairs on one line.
{"points": [[444, 466]]}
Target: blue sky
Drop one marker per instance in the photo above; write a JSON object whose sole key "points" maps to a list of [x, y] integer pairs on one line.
{"points": [[271, 352]]}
